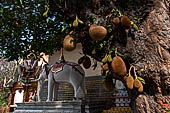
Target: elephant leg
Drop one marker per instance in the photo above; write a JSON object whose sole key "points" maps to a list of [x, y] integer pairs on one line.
{"points": [[83, 91], [78, 88], [75, 91], [50, 88], [80, 92], [55, 92], [39, 90], [76, 83]]}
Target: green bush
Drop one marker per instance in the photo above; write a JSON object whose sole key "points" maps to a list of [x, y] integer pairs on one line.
{"points": [[2, 101]]}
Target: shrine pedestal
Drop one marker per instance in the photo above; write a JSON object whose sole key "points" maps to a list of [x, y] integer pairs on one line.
{"points": [[52, 107]]}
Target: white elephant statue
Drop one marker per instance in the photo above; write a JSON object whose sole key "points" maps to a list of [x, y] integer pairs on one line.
{"points": [[71, 72]]}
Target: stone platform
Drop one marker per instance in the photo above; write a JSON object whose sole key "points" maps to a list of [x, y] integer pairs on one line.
{"points": [[52, 107]]}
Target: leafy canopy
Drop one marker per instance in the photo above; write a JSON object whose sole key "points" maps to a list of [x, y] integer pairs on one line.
{"points": [[26, 26]]}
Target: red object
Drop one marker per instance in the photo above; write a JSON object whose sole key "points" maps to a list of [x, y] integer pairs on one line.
{"points": [[165, 105]]}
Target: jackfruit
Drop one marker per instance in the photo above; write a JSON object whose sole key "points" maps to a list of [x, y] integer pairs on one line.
{"points": [[118, 66], [129, 82], [116, 20], [105, 67], [140, 89], [69, 44], [125, 22], [75, 23], [137, 83], [97, 32]]}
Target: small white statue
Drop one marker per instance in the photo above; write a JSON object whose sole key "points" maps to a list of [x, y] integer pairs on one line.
{"points": [[69, 72]]}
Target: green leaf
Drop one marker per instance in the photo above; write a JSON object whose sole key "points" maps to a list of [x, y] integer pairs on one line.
{"points": [[138, 19], [104, 42], [113, 49], [129, 74], [59, 6], [18, 7], [101, 45], [92, 42], [142, 70], [120, 14], [141, 79], [119, 54], [135, 27], [94, 51], [76, 18], [21, 2], [1, 10], [81, 22], [45, 13], [93, 19], [143, 82], [110, 30], [60, 1], [110, 52], [70, 25], [113, 10], [64, 28], [108, 26]]}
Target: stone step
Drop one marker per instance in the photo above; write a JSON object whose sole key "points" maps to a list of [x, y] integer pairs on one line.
{"points": [[52, 107]]}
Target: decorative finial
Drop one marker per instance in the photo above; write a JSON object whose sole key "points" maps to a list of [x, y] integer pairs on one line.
{"points": [[62, 56]]}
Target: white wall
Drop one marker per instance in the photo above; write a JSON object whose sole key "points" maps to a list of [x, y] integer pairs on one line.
{"points": [[18, 96], [74, 56]]}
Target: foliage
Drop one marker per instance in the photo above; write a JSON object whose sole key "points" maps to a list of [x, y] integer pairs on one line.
{"points": [[33, 26], [3, 95], [2, 102], [40, 26], [24, 29]]}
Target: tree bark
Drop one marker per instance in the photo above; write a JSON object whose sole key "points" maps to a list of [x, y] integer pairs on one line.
{"points": [[151, 51]]}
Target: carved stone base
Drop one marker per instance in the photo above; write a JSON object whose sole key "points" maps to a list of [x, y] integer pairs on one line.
{"points": [[52, 107]]}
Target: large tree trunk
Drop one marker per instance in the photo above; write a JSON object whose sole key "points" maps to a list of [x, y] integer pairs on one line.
{"points": [[151, 51], [147, 49]]}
